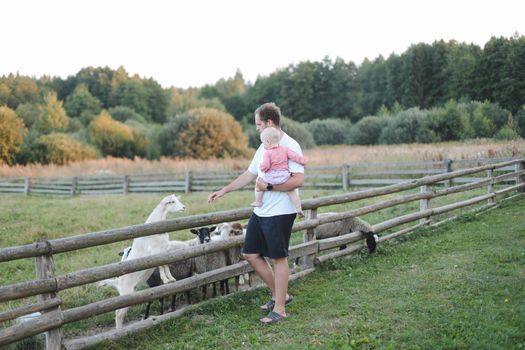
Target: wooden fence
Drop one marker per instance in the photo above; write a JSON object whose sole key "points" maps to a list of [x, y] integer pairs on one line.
{"points": [[344, 177], [313, 252]]}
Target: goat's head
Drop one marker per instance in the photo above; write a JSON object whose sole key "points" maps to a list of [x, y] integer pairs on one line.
{"points": [[173, 203], [203, 233], [125, 253], [228, 229]]}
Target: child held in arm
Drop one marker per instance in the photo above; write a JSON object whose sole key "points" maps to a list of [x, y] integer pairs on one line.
{"points": [[275, 166]]}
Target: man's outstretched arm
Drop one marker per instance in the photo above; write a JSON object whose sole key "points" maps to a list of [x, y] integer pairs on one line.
{"points": [[241, 181]]}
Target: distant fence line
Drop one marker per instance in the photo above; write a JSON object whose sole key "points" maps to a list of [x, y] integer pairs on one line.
{"points": [[313, 252], [334, 177]]}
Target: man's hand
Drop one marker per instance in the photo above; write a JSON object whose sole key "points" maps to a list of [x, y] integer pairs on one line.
{"points": [[261, 185], [216, 195]]}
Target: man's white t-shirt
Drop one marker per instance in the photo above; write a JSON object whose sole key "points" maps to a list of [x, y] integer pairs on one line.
{"points": [[275, 202]]}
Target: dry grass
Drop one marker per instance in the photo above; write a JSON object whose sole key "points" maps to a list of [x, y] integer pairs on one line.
{"points": [[321, 156]]}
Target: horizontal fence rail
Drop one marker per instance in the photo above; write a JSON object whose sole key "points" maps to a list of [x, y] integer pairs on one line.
{"points": [[508, 176], [331, 177]]}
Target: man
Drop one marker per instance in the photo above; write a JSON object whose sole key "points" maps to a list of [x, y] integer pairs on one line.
{"points": [[269, 229]]}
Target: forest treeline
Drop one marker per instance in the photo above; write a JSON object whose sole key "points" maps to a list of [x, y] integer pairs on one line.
{"points": [[432, 92]]}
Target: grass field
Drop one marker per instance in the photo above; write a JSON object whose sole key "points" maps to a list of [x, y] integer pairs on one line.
{"points": [[460, 286]]}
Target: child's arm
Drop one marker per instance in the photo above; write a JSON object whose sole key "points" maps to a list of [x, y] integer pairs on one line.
{"points": [[266, 163], [296, 157]]}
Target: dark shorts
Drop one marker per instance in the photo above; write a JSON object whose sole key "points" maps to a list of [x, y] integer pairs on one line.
{"points": [[269, 236]]}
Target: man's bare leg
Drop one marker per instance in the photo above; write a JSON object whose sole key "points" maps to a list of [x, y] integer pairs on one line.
{"points": [[281, 275], [263, 269]]}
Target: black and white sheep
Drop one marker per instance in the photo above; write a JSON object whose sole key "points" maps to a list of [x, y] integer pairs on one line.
{"points": [[344, 226]]}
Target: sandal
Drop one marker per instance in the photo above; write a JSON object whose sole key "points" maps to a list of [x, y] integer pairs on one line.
{"points": [[271, 303], [272, 317]]}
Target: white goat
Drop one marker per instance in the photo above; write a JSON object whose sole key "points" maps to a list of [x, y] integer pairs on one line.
{"points": [[144, 246]]}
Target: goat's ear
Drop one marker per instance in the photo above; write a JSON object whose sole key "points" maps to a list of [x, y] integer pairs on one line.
{"points": [[195, 232], [213, 228], [121, 253]]}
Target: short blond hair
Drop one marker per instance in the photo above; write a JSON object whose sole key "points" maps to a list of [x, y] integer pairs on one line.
{"points": [[270, 134]]}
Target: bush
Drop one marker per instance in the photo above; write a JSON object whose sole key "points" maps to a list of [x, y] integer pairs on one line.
{"points": [[12, 133], [409, 126], [329, 131], [367, 130], [113, 138], [169, 135], [520, 121], [60, 149], [298, 131], [123, 113], [211, 133], [446, 121], [509, 131]]}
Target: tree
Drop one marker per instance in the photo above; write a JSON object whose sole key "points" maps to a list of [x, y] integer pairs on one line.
{"points": [[60, 149], [17, 89], [53, 116], [367, 130], [170, 133], [12, 132], [211, 133], [298, 131], [111, 137], [29, 112], [446, 121], [81, 101], [123, 113], [412, 125], [329, 131]]}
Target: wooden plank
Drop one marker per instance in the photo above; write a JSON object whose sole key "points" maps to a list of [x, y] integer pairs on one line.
{"points": [[399, 172], [116, 334], [334, 242], [150, 294], [32, 327], [45, 269], [25, 310], [349, 250]]}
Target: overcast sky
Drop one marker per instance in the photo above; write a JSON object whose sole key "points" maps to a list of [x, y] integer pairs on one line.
{"points": [[186, 43]]}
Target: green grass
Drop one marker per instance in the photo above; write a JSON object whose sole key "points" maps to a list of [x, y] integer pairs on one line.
{"points": [[459, 286]]}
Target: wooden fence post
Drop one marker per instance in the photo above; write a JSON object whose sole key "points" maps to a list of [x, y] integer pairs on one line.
{"points": [[125, 186], [45, 268], [424, 203], [74, 184], [27, 185], [520, 178], [187, 182], [344, 176], [490, 186], [447, 168], [308, 260]]}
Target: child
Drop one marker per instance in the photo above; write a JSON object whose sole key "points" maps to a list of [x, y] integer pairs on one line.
{"points": [[275, 166]]}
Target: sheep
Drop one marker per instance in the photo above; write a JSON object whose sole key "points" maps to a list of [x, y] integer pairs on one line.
{"points": [[145, 246], [179, 270], [341, 227], [210, 261], [225, 231]]}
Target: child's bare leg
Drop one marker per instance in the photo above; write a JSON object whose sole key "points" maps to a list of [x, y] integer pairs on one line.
{"points": [[294, 197], [258, 199]]}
